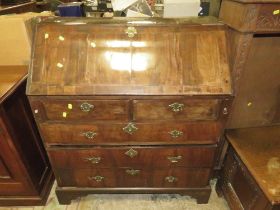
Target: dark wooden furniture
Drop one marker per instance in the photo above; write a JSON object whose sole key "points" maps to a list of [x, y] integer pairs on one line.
{"points": [[255, 46], [25, 174], [18, 8], [130, 105], [250, 178]]}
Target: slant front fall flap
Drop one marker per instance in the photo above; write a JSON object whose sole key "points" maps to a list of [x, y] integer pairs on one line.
{"points": [[88, 57]]}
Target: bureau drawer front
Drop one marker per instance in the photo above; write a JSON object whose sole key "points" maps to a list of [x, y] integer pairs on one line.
{"points": [[146, 157], [128, 177], [130, 133], [190, 110], [80, 110]]}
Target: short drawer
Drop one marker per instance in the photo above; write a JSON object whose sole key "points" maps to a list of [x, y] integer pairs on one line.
{"points": [[80, 110], [146, 157], [131, 133], [133, 177], [190, 110]]}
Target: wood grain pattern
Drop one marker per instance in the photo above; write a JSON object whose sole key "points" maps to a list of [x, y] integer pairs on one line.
{"points": [[10, 77], [52, 110], [26, 176], [192, 110], [146, 133], [146, 157], [260, 17], [239, 186], [131, 81], [265, 168], [181, 60], [253, 106], [117, 177]]}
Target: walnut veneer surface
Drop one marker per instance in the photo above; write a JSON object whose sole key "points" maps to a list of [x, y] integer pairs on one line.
{"points": [[177, 61], [139, 103]]}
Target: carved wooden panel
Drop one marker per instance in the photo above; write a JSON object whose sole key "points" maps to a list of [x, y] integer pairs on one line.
{"points": [[251, 16]]}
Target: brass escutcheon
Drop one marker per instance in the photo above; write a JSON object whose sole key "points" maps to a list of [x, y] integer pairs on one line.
{"points": [[131, 153], [86, 107], [130, 128], [96, 178], [131, 31], [174, 159], [132, 172], [89, 134], [175, 133], [93, 160], [177, 107], [171, 179], [225, 111]]}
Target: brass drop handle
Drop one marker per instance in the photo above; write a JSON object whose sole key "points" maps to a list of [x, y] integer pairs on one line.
{"points": [[131, 153], [5, 177], [96, 178], [131, 31], [86, 107], [93, 160], [130, 128], [176, 107], [176, 133], [89, 134], [132, 172], [174, 159], [171, 179]]}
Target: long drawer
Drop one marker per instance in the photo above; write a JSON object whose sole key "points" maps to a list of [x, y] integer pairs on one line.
{"points": [[146, 157], [133, 177], [131, 133]]}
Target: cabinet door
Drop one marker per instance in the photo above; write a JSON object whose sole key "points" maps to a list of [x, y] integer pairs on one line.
{"points": [[13, 177]]}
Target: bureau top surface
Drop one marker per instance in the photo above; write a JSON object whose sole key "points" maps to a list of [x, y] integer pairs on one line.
{"points": [[10, 78], [86, 56], [259, 149]]}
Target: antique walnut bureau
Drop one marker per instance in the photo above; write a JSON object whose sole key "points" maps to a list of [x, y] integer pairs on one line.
{"points": [[130, 105]]}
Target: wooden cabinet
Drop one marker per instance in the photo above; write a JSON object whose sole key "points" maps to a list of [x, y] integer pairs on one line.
{"points": [[250, 176], [123, 108], [255, 46], [25, 173], [28, 6]]}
